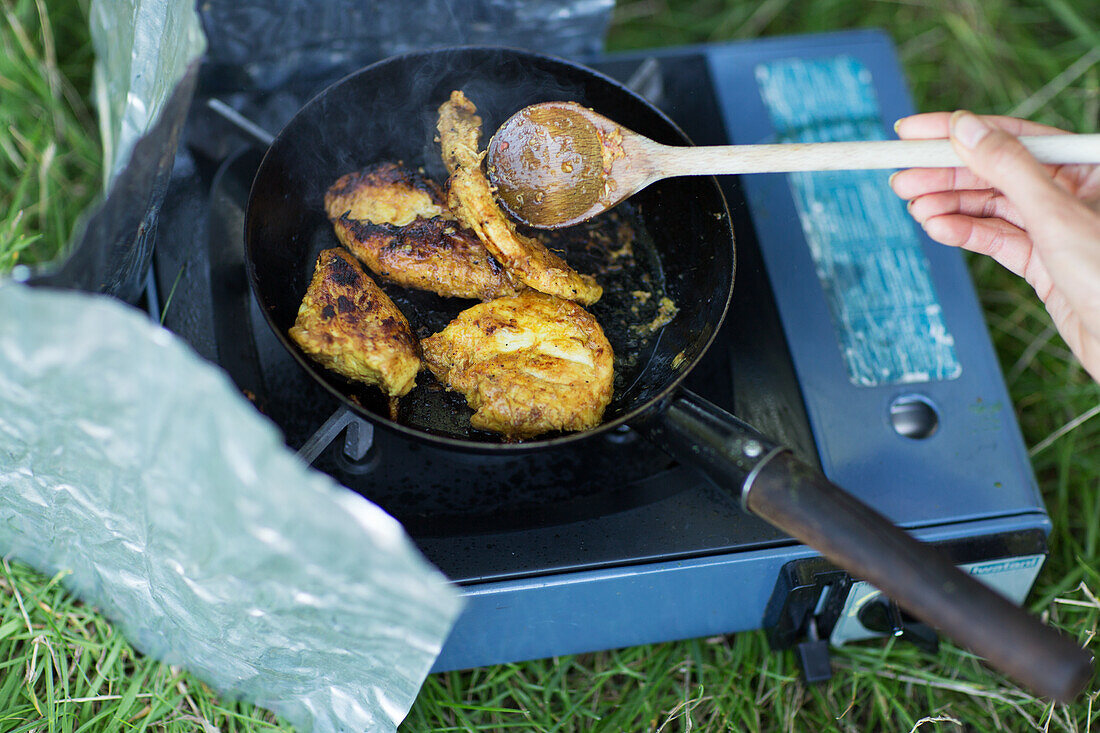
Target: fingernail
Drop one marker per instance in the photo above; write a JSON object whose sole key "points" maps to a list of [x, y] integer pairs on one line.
{"points": [[890, 180], [968, 128], [897, 123]]}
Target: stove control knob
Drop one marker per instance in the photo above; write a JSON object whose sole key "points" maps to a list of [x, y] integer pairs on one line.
{"points": [[883, 616]]}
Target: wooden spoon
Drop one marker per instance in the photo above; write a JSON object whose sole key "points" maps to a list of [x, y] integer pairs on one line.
{"points": [[558, 163]]}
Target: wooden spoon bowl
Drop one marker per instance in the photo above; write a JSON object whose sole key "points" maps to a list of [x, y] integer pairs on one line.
{"points": [[554, 164]]}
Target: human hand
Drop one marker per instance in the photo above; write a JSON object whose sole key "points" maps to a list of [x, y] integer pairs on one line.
{"points": [[1040, 222]]}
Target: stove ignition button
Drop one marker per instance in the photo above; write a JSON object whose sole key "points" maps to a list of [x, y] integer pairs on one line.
{"points": [[913, 416]]}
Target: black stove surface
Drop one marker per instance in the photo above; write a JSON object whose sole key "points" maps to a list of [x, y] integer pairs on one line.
{"points": [[487, 517]]}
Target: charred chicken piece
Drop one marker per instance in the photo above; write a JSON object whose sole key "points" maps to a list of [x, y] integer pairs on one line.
{"points": [[396, 223], [347, 324], [384, 193], [528, 364], [471, 198]]}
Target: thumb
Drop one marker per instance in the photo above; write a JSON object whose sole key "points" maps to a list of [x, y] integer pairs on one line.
{"points": [[999, 158]]}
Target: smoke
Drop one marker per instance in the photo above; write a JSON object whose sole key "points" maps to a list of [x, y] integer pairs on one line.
{"points": [[388, 111], [263, 44]]}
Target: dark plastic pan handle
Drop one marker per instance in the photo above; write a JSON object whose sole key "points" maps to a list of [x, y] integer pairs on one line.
{"points": [[799, 500]]}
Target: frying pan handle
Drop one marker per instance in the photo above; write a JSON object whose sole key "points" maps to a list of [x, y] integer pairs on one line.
{"points": [[799, 500]]}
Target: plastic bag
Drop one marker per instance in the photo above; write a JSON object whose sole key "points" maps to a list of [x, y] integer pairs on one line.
{"points": [[136, 465]]}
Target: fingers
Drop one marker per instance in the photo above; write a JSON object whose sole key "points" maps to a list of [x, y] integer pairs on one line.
{"points": [[1007, 244], [980, 204], [1065, 233], [996, 161], [919, 181], [1006, 205], [934, 125], [914, 182], [999, 158]]}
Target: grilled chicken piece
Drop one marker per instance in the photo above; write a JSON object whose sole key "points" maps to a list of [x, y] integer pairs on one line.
{"points": [[471, 198], [529, 364], [384, 193], [396, 223], [347, 324]]}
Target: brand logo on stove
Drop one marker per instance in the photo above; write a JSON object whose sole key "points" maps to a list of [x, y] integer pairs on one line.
{"points": [[1004, 566]]}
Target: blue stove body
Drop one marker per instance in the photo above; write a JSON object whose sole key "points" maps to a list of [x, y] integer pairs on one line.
{"points": [[851, 338], [870, 356]]}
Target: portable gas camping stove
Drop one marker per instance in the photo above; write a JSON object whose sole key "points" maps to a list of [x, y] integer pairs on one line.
{"points": [[852, 338]]}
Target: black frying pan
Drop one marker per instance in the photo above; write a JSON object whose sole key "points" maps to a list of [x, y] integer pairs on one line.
{"points": [[685, 248]]}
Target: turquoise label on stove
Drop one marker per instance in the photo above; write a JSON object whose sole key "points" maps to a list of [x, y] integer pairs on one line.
{"points": [[865, 247]]}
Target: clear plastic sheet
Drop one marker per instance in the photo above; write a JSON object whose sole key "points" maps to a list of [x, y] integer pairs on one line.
{"points": [[147, 61], [136, 465], [143, 49]]}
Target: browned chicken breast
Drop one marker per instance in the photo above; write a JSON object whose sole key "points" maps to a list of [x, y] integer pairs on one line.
{"points": [[395, 222], [385, 193], [471, 198], [347, 324], [528, 364]]}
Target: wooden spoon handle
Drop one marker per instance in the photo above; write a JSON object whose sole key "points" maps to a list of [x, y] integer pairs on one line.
{"points": [[878, 154]]}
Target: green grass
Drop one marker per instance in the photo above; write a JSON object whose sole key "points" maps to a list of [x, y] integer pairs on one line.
{"points": [[49, 146], [62, 667]]}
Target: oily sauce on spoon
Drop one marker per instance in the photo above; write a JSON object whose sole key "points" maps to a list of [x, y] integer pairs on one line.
{"points": [[558, 176]]}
